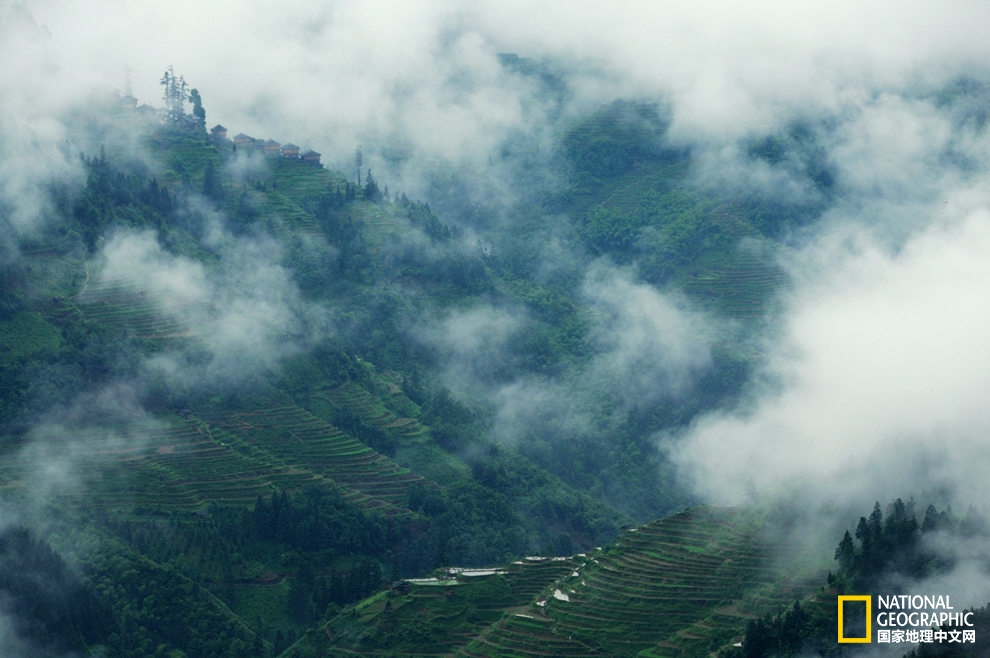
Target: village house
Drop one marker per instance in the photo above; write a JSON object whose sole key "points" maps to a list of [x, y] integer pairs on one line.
{"points": [[270, 147], [242, 141], [311, 157], [219, 133]]}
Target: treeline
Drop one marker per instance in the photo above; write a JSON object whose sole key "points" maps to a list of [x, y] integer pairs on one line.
{"points": [[885, 546], [892, 545], [799, 630], [115, 603], [317, 520], [114, 199], [326, 552], [222, 544]]}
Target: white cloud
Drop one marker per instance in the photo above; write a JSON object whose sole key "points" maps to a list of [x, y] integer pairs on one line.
{"points": [[649, 345], [245, 311], [427, 71], [879, 379]]}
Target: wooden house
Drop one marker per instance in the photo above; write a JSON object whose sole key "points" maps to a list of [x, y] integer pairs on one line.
{"points": [[242, 141], [311, 157]]}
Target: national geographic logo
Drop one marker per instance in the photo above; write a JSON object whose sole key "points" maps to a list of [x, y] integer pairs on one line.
{"points": [[903, 618], [843, 620]]}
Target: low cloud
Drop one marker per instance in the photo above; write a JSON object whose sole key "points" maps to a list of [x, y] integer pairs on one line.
{"points": [[872, 380], [62, 450], [34, 146], [878, 380], [649, 344], [245, 312], [477, 343]]}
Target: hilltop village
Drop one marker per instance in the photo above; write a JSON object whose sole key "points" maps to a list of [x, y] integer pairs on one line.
{"points": [[269, 147], [175, 94]]}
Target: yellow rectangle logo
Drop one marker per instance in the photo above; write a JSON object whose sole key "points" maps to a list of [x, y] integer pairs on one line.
{"points": [[869, 616]]}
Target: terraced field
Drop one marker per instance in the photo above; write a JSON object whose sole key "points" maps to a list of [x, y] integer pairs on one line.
{"points": [[232, 457], [238, 455], [743, 282], [526, 634], [306, 443], [681, 586], [122, 306], [438, 616], [187, 156], [171, 464], [372, 410], [732, 267], [295, 217], [673, 587]]}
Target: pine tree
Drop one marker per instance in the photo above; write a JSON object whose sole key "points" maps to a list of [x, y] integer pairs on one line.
{"points": [[212, 188], [371, 191], [845, 554], [174, 95], [199, 114]]}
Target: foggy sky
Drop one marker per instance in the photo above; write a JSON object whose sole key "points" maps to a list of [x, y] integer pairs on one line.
{"points": [[876, 375], [424, 73], [423, 78]]}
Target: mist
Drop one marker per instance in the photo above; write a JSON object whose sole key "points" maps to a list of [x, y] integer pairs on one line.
{"points": [[877, 364], [872, 373], [242, 318]]}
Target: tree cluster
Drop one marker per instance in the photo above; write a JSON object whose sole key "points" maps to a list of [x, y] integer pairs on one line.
{"points": [[885, 545], [317, 519], [891, 544], [47, 603], [175, 93]]}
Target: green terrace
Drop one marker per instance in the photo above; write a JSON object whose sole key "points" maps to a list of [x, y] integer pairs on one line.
{"points": [[671, 584], [186, 463], [740, 281], [308, 443], [437, 616], [686, 585], [123, 307], [169, 464]]}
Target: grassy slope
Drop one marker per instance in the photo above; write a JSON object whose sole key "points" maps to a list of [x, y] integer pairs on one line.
{"points": [[25, 334], [232, 455]]}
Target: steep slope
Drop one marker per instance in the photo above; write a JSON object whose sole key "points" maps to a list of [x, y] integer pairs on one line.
{"points": [[181, 393], [214, 357], [638, 201], [684, 585]]}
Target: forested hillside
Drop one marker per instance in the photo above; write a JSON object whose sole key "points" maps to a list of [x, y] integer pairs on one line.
{"points": [[233, 338], [253, 404]]}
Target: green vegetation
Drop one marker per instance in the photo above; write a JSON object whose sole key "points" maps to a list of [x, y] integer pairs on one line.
{"points": [[685, 585], [237, 431], [888, 555]]}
